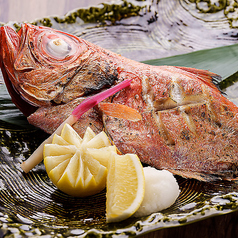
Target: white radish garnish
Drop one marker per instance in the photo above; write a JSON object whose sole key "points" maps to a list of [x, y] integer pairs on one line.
{"points": [[161, 191]]}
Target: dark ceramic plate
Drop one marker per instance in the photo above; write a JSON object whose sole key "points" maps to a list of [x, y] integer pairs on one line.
{"points": [[31, 205]]}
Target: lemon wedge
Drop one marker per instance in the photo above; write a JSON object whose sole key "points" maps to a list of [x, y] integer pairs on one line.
{"points": [[69, 135], [59, 140], [102, 155], [125, 187], [84, 166], [71, 168]]}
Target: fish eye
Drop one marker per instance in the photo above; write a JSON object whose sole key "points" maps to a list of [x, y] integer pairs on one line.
{"points": [[58, 48], [55, 47]]}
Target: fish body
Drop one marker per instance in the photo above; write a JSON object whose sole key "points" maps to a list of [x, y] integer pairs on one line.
{"points": [[187, 126]]}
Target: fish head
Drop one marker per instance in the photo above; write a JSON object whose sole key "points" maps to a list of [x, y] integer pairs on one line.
{"points": [[37, 64]]}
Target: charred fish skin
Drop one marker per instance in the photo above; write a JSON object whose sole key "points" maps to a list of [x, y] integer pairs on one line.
{"points": [[192, 131], [188, 127]]}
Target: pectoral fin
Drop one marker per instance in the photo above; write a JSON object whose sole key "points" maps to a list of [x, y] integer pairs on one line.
{"points": [[120, 111]]}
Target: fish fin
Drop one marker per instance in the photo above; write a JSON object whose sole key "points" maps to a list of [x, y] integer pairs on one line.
{"points": [[195, 175], [207, 77], [120, 111]]}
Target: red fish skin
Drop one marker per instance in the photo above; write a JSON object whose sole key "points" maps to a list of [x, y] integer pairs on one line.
{"points": [[50, 118], [204, 149], [188, 127]]}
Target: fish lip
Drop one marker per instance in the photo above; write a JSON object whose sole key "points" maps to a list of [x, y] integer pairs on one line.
{"points": [[26, 108], [9, 44]]}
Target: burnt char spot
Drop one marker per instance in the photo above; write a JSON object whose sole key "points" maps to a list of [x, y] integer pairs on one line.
{"points": [[218, 123], [212, 133], [230, 114], [225, 107], [102, 75], [103, 81], [185, 135], [203, 114], [94, 75]]}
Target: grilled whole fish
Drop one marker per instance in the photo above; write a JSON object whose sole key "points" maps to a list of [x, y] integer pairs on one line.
{"points": [[188, 127]]}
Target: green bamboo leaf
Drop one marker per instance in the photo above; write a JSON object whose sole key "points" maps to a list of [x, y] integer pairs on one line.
{"points": [[222, 60]]}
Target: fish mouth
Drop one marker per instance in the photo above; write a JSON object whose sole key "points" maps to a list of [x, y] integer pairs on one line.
{"points": [[9, 46], [37, 74]]}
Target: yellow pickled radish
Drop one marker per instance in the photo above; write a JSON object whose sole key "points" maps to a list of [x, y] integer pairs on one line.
{"points": [[71, 169], [125, 187]]}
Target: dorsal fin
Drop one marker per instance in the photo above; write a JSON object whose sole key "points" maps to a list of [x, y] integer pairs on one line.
{"points": [[209, 78]]}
